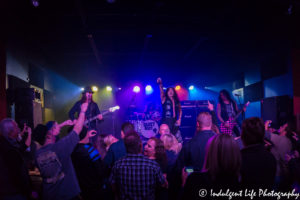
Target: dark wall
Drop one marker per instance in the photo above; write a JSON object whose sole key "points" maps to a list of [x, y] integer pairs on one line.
{"points": [[3, 104]]}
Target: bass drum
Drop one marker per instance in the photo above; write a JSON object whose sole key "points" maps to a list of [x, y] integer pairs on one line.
{"points": [[138, 125], [149, 128]]}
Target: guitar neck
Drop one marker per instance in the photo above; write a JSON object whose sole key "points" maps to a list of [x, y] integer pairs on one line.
{"points": [[93, 118], [237, 115], [240, 112]]}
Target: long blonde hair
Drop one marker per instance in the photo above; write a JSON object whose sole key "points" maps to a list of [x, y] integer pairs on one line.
{"points": [[170, 143]]}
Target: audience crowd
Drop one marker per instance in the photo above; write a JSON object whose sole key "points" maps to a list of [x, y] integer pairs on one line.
{"points": [[38, 164]]}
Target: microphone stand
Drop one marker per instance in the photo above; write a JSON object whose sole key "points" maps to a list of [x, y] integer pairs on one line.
{"points": [[131, 102]]}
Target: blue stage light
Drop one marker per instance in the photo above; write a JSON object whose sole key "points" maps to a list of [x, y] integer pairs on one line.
{"points": [[191, 87], [149, 89]]}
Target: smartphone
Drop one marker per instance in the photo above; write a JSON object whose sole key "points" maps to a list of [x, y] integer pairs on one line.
{"points": [[189, 170]]}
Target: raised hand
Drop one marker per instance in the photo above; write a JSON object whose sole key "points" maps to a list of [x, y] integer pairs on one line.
{"points": [[69, 122], [159, 81], [84, 107], [267, 123], [24, 129], [184, 176], [178, 122], [28, 130], [210, 106], [100, 117], [92, 133]]}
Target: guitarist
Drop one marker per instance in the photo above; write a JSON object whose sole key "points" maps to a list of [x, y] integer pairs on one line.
{"points": [[227, 108], [92, 110]]}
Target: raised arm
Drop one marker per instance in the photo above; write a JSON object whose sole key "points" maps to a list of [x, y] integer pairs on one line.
{"points": [[162, 93], [66, 123], [210, 106], [28, 139], [178, 122], [80, 121]]}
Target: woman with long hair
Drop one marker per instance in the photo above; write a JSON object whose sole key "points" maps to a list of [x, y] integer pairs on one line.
{"points": [[171, 109], [155, 150], [221, 169]]}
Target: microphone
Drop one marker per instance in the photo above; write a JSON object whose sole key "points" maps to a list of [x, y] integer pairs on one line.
{"points": [[237, 95]]}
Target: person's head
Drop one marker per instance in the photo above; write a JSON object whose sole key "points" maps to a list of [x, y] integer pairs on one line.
{"points": [[171, 94], [133, 143], [126, 128], [223, 96], [154, 148], [164, 129], [53, 127], [87, 94], [109, 140], [100, 145], [222, 157], [9, 128], [253, 131], [204, 121], [39, 133], [149, 149], [168, 141]]}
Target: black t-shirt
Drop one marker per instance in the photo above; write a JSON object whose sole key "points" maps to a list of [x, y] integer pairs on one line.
{"points": [[89, 168]]}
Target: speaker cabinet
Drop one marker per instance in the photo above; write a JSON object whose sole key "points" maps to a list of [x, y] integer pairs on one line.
{"points": [[278, 109]]}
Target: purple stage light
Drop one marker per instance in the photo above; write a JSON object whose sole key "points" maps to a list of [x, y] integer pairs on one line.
{"points": [[136, 89], [35, 3]]}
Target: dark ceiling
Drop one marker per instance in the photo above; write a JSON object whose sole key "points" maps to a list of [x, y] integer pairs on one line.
{"points": [[204, 42]]}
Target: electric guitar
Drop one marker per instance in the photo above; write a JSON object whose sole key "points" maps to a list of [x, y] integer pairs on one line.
{"points": [[110, 110], [232, 122]]}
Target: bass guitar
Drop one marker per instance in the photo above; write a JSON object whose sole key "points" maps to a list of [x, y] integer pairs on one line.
{"points": [[231, 122]]}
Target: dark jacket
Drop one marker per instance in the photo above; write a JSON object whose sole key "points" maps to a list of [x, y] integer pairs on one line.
{"points": [[13, 171], [92, 111], [115, 152], [193, 152], [258, 167]]}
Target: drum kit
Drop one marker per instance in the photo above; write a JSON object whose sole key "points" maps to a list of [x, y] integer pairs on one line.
{"points": [[146, 124]]}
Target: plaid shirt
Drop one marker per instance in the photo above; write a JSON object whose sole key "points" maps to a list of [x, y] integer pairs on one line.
{"points": [[136, 177]]}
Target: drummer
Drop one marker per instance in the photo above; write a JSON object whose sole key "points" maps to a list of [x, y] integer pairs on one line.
{"points": [[151, 113]]}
